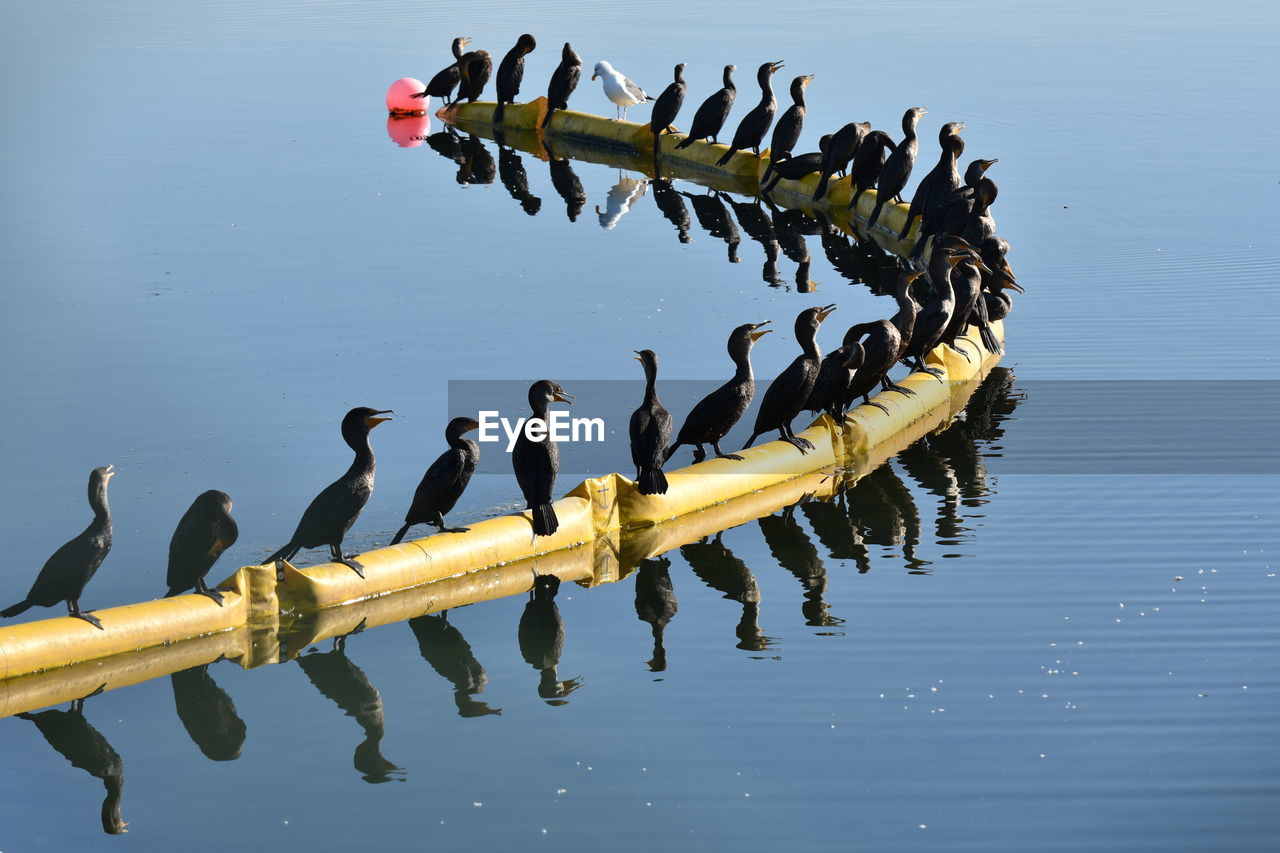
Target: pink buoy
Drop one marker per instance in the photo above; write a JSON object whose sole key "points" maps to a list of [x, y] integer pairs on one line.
{"points": [[400, 101], [408, 131]]}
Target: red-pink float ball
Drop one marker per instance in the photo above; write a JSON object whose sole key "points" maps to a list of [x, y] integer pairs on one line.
{"points": [[408, 131], [400, 100]]}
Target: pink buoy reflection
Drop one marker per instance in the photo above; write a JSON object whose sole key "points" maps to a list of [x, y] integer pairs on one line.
{"points": [[400, 100], [408, 131]]}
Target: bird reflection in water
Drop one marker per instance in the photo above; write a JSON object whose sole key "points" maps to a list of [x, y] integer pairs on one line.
{"points": [[795, 553], [70, 733], [626, 192], [882, 509], [541, 636], [791, 227], [475, 163], [671, 205], [443, 646], [858, 260], [208, 714], [512, 173], [759, 227], [717, 567], [565, 182], [338, 678], [656, 604], [714, 218]]}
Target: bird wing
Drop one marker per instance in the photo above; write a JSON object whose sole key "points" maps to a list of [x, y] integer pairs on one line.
{"points": [[633, 90], [189, 548]]}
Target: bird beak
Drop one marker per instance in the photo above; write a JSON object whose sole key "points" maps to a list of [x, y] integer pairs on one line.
{"points": [[594, 75], [826, 312], [924, 111], [981, 266], [562, 396], [773, 69], [808, 79], [990, 163], [760, 333], [372, 422], [111, 472], [915, 274], [472, 424], [1013, 285]]}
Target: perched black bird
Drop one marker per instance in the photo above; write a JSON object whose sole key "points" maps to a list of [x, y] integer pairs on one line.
{"points": [[867, 163], [966, 281], [834, 375], [474, 69], [537, 462], [715, 414], [445, 480], [839, 152], [935, 314], [71, 734], [712, 113], [667, 107], [787, 395], [511, 74], [650, 430], [442, 84], [795, 168], [204, 532], [755, 124], [786, 133], [336, 508], [656, 604], [208, 714], [443, 646], [563, 81], [942, 178], [908, 309], [880, 352], [897, 169], [541, 638], [65, 574], [950, 215]]}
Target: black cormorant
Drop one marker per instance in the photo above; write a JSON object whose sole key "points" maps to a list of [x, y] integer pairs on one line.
{"points": [[949, 215], [840, 150], [935, 314], [204, 532], [441, 85], [897, 169], [834, 375], [563, 81], [445, 480], [474, 68], [942, 178], [880, 351], [65, 574], [755, 124], [795, 168], [650, 430], [536, 462], [712, 113], [715, 414], [867, 163], [786, 133], [908, 310], [966, 281], [336, 508], [787, 395], [511, 74], [667, 107], [541, 639]]}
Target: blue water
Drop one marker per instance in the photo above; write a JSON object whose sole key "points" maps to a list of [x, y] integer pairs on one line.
{"points": [[212, 250]]}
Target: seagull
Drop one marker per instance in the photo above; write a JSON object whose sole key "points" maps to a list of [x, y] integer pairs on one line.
{"points": [[619, 89]]}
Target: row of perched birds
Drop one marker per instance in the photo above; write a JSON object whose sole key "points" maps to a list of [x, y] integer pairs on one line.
{"points": [[942, 202], [959, 296]]}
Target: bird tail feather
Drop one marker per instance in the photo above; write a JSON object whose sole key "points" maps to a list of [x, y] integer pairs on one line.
{"points": [[544, 519], [20, 607], [653, 481]]}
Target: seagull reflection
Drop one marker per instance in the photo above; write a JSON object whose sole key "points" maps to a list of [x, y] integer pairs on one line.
{"points": [[671, 204], [541, 636], [717, 567], [340, 680], [714, 218], [514, 177], [795, 553], [566, 183], [208, 714], [70, 733], [752, 218], [449, 654], [626, 192], [656, 604]]}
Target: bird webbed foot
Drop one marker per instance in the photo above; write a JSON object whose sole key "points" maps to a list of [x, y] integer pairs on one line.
{"points": [[455, 529], [801, 444], [211, 593], [90, 618], [352, 565], [893, 386]]}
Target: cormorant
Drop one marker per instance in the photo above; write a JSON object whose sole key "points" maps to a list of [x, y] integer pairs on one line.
{"points": [[656, 604], [443, 646], [441, 85], [335, 509], [980, 225], [65, 574], [840, 150], [536, 462], [671, 204], [908, 309], [998, 303], [950, 214], [715, 414], [832, 384], [795, 168], [897, 169], [786, 133], [787, 395], [935, 314], [880, 351], [563, 81], [204, 532], [511, 74], [622, 92], [444, 481], [867, 163], [208, 714], [711, 114], [474, 67], [755, 124], [666, 108], [942, 178], [966, 281], [650, 430], [541, 639]]}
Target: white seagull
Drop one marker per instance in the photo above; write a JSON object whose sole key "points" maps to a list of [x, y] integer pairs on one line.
{"points": [[619, 89]]}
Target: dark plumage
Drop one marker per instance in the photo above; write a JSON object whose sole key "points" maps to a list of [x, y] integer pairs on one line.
{"points": [[711, 114], [786, 133], [840, 150], [908, 309], [787, 395], [880, 352], [65, 575], [867, 163], [563, 81], [755, 124], [667, 107], [445, 480], [942, 178], [474, 69], [950, 215], [715, 414], [511, 74], [650, 431], [71, 734], [966, 281], [537, 462], [832, 383], [897, 169], [441, 85], [204, 532], [333, 511], [797, 167], [541, 639], [935, 314]]}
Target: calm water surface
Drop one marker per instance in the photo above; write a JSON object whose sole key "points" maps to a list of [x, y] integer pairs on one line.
{"points": [[212, 250]]}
